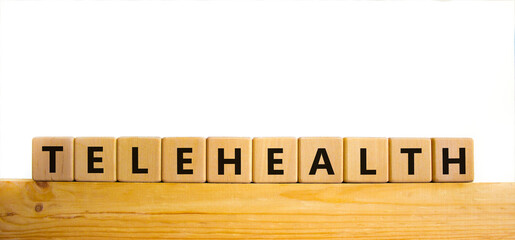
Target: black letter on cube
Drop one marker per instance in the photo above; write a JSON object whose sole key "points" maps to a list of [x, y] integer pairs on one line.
{"points": [[52, 150], [447, 161], [92, 159], [181, 160], [411, 158], [272, 161], [321, 153], [135, 168], [236, 161], [363, 158]]}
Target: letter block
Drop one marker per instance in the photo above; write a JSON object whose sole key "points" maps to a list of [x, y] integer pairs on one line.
{"points": [[139, 159], [95, 159], [229, 159], [365, 160], [52, 158], [274, 160], [453, 159], [410, 159], [320, 160], [184, 159]]}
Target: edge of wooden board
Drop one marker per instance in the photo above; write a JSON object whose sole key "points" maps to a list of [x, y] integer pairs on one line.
{"points": [[94, 210]]}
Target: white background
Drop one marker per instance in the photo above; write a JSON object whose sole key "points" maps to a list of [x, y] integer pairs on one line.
{"points": [[258, 68]]}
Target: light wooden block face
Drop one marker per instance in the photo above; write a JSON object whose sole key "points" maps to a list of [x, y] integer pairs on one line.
{"points": [[52, 158], [410, 159], [139, 159], [274, 160], [184, 159], [229, 160], [365, 160], [95, 159], [320, 160], [453, 159]]}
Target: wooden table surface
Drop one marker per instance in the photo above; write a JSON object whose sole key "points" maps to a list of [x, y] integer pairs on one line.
{"points": [[81, 210]]}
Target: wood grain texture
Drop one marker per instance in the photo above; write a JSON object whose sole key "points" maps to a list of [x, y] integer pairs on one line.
{"points": [[87, 210], [191, 154], [375, 153], [456, 148], [41, 170], [283, 160], [320, 151], [105, 159], [148, 153], [399, 152], [235, 150]]}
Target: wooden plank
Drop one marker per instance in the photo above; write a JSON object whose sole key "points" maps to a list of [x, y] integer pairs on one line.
{"points": [[92, 210]]}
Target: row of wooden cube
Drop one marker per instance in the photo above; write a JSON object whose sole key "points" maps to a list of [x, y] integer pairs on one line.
{"points": [[260, 160]]}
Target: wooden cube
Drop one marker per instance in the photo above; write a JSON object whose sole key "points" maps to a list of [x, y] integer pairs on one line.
{"points": [[410, 159], [229, 159], [453, 159], [139, 159], [184, 159], [52, 158], [274, 160], [320, 160], [365, 160], [95, 159]]}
